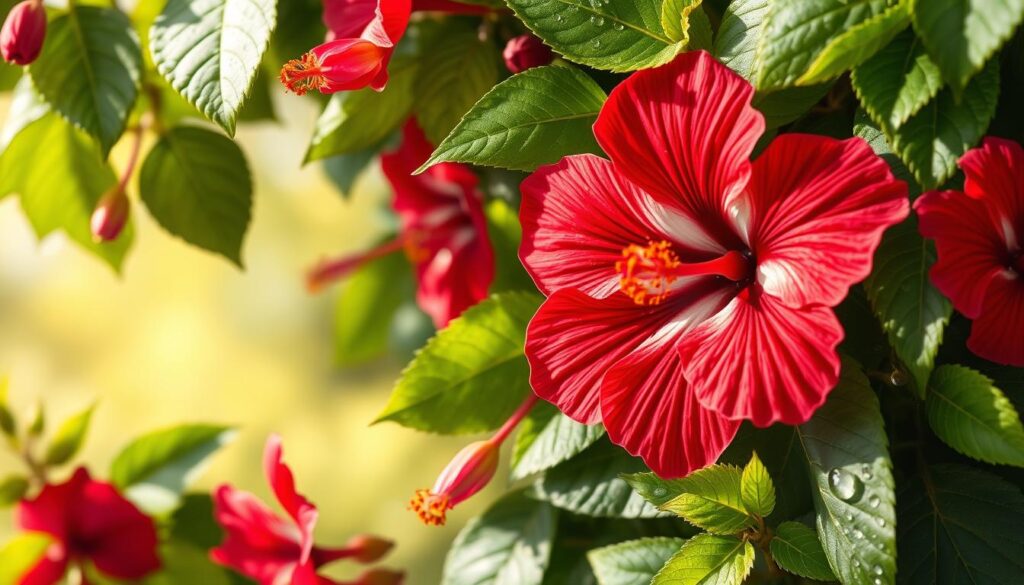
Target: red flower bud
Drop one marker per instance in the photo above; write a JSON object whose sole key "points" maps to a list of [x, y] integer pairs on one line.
{"points": [[526, 51], [21, 38], [468, 473], [369, 548], [110, 215]]}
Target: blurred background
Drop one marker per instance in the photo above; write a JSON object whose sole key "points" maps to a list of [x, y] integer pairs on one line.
{"points": [[182, 335]]}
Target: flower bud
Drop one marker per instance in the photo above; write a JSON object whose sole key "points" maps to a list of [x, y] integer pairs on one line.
{"points": [[369, 548], [526, 51], [380, 577], [110, 215], [21, 38], [468, 473]]}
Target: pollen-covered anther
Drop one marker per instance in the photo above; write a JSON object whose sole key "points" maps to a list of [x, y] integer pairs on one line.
{"points": [[645, 272], [430, 507], [303, 74]]}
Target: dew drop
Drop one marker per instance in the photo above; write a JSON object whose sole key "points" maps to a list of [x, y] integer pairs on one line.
{"points": [[878, 570], [858, 534], [660, 492], [866, 471], [844, 485], [618, 26], [881, 522], [597, 21], [597, 43], [878, 581], [558, 18], [849, 517], [573, 8], [874, 501]]}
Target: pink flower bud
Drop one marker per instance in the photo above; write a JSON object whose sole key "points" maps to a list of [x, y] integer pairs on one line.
{"points": [[524, 52], [21, 38], [468, 473], [110, 215]]}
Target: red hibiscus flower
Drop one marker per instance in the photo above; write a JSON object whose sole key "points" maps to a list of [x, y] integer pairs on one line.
{"points": [[688, 288], [90, 522], [276, 551], [979, 235], [444, 231]]}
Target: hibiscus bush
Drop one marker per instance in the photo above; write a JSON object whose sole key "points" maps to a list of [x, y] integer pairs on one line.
{"points": [[740, 283]]}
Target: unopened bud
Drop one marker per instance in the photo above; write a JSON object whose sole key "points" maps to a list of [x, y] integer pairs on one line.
{"points": [[369, 548], [524, 52], [110, 215], [23, 33]]}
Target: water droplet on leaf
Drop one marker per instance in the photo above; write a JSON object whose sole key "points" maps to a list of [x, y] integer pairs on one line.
{"points": [[845, 485], [874, 501]]}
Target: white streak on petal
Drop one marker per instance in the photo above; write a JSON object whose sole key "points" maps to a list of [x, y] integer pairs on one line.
{"points": [[679, 226], [777, 278]]}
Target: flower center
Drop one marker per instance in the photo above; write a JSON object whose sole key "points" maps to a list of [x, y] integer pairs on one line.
{"points": [[1017, 263], [646, 273], [304, 74], [430, 507]]}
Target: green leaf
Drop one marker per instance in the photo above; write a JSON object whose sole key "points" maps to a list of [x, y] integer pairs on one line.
{"points": [[795, 32], [913, 313], [459, 69], [590, 484], [652, 488], [528, 120], [961, 35], [621, 35], [8, 425], [185, 563], [354, 121], [370, 297], [778, 447], [155, 469], [686, 21], [209, 51], [27, 106], [796, 549], [59, 185], [472, 375], [933, 140], [196, 184], [971, 415], [546, 438], [345, 170], [960, 525], [69, 437], [756, 488], [510, 544], [506, 234], [707, 559], [20, 554], [857, 44], [89, 70], [12, 489], [851, 478], [259, 105], [712, 499], [897, 82], [633, 561]]}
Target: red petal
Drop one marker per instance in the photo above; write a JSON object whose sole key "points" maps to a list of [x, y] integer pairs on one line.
{"points": [[257, 542], [283, 483], [578, 216], [348, 18], [649, 410], [970, 249], [48, 512], [997, 333], [995, 172], [684, 133], [49, 570], [348, 64], [762, 361], [816, 213]]}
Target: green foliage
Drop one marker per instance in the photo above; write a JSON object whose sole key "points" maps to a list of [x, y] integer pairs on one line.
{"points": [[209, 51], [857, 44], [12, 489], [89, 70], [369, 297], [652, 488], [796, 549], [960, 525], [633, 561], [707, 559], [68, 439], [8, 424], [185, 563], [686, 21], [472, 375], [852, 484], [756, 488], [196, 184], [506, 233], [546, 438], [973, 416], [21, 554], [509, 544], [622, 35], [155, 469], [712, 499], [528, 120], [897, 82]]}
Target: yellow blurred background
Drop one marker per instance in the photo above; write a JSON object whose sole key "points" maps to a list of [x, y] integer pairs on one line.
{"points": [[183, 336]]}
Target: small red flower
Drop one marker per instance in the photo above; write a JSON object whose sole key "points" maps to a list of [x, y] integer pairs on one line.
{"points": [[444, 231], [90, 522], [979, 235], [276, 551], [23, 33], [688, 288], [110, 215], [526, 51]]}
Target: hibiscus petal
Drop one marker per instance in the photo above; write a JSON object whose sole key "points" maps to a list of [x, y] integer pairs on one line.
{"points": [[282, 481], [348, 18], [683, 132], [996, 333], [49, 570], [578, 216], [763, 361], [122, 540], [995, 173], [817, 210], [257, 542], [970, 250], [648, 409]]}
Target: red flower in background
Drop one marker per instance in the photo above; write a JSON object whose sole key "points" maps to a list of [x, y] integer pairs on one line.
{"points": [[688, 288], [525, 52], [979, 234], [90, 522], [444, 231], [23, 32], [277, 551]]}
